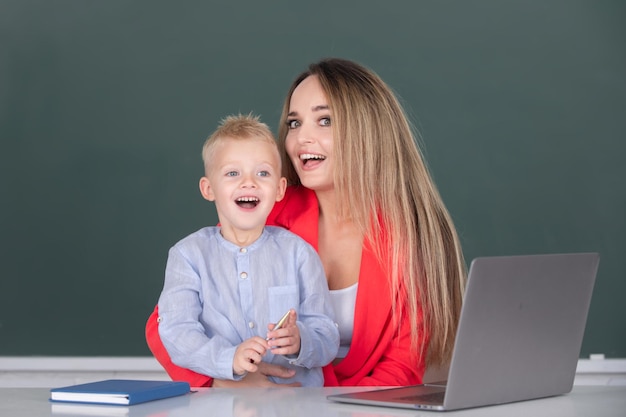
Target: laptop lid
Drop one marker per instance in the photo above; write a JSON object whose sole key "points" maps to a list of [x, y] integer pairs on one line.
{"points": [[519, 334]]}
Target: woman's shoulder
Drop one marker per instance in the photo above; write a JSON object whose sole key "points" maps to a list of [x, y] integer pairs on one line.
{"points": [[297, 194], [297, 201]]}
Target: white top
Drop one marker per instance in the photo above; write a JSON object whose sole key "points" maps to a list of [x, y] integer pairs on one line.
{"points": [[343, 302]]}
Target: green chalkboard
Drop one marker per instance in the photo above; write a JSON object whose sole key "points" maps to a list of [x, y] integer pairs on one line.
{"points": [[104, 106]]}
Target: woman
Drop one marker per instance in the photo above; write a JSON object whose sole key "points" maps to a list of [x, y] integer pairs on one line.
{"points": [[361, 194]]}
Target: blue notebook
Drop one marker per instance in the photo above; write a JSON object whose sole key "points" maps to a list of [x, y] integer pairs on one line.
{"points": [[119, 391]]}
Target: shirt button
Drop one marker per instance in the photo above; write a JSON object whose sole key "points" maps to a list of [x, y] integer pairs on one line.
{"points": [[243, 250], [243, 275], [159, 319], [251, 325]]}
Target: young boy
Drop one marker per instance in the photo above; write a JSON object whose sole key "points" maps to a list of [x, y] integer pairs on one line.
{"points": [[226, 286]]}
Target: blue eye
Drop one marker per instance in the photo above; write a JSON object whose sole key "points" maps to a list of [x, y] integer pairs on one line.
{"points": [[263, 174], [232, 173], [292, 124], [325, 121]]}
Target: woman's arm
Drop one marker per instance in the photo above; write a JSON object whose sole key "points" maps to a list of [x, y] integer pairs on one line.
{"points": [[388, 362], [396, 364], [381, 352], [260, 378]]}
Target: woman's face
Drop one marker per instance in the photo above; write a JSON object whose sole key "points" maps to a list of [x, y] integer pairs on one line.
{"points": [[309, 141]]}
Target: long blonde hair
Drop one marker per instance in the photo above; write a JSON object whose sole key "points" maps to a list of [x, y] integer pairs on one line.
{"points": [[386, 186]]}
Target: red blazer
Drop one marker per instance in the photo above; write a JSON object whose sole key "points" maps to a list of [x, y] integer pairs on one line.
{"points": [[379, 353]]}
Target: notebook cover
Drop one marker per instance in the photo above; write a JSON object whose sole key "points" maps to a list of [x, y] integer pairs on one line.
{"points": [[119, 391]]}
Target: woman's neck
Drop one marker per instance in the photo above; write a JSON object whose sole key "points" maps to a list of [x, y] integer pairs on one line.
{"points": [[330, 214], [340, 244], [327, 203]]}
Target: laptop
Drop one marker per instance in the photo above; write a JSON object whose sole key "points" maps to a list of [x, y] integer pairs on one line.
{"points": [[519, 335]]}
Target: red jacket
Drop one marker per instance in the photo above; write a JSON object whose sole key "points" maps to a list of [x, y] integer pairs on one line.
{"points": [[379, 353]]}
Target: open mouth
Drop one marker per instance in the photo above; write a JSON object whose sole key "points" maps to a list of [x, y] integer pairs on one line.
{"points": [[247, 202], [311, 157]]}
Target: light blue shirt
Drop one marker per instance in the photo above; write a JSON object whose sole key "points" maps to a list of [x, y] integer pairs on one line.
{"points": [[217, 294]]}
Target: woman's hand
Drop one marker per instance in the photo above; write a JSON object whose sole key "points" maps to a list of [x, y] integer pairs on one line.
{"points": [[259, 378]]}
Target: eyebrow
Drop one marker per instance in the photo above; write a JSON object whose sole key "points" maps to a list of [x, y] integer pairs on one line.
{"points": [[314, 108]]}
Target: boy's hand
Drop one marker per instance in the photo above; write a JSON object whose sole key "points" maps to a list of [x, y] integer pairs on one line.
{"points": [[248, 354], [286, 340]]}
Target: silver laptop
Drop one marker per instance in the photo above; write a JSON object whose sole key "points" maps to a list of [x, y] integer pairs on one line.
{"points": [[519, 335]]}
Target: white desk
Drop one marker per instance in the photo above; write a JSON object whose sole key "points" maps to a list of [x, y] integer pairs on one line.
{"points": [[593, 401]]}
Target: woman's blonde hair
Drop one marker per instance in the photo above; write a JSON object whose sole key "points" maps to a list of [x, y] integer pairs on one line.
{"points": [[385, 185]]}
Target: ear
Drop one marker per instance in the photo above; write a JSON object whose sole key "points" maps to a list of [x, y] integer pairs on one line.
{"points": [[206, 190], [282, 187]]}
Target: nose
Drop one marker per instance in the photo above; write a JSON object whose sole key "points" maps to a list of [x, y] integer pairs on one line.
{"points": [[248, 181], [305, 134]]}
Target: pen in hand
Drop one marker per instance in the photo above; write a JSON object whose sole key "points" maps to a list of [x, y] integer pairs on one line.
{"points": [[278, 325], [281, 322]]}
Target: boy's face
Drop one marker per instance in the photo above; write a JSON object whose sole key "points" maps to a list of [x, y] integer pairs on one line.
{"points": [[244, 181]]}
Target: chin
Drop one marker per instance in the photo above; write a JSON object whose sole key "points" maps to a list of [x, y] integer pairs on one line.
{"points": [[317, 185]]}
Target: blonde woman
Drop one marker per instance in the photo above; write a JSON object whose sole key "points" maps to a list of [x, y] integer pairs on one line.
{"points": [[360, 193]]}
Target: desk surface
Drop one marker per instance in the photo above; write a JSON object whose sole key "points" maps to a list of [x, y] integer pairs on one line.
{"points": [[594, 401]]}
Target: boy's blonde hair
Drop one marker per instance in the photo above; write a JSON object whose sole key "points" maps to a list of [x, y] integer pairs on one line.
{"points": [[237, 127]]}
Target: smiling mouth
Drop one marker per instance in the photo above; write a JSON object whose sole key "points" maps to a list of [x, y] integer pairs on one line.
{"points": [[247, 202], [311, 157]]}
